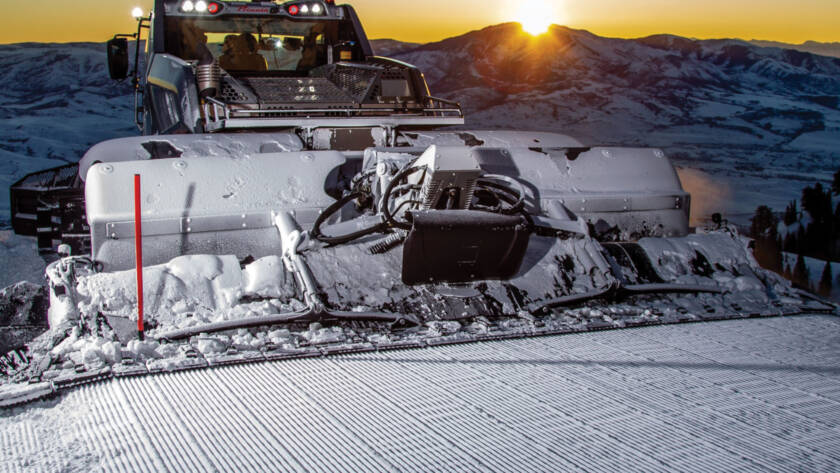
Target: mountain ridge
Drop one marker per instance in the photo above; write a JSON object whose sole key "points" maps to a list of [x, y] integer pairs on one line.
{"points": [[814, 47]]}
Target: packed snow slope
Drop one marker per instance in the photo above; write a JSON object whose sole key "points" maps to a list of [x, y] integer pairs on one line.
{"points": [[744, 118], [759, 395]]}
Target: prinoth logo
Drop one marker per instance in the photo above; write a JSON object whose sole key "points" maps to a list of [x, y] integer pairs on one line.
{"points": [[249, 9]]}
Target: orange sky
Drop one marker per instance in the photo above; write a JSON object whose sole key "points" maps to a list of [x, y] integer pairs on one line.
{"points": [[431, 20]]}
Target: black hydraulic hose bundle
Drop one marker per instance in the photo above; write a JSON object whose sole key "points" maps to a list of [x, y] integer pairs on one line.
{"points": [[332, 209], [386, 197], [513, 197], [509, 194]]}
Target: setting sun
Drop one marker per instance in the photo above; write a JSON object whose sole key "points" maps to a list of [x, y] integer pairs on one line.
{"points": [[535, 16]]}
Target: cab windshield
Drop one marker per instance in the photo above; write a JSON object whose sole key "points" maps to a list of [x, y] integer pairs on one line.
{"points": [[252, 44]]}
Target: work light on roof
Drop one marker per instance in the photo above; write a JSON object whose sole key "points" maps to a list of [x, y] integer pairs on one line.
{"points": [[137, 13], [187, 6], [307, 9], [201, 6]]}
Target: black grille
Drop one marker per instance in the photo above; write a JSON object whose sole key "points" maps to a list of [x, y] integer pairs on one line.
{"points": [[229, 94], [296, 90], [357, 82], [234, 91], [61, 177], [394, 74]]}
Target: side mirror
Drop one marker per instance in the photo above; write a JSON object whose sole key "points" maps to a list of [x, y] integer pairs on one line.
{"points": [[118, 58]]}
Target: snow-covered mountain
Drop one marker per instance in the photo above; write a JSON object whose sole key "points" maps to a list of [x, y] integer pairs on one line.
{"points": [[813, 47], [56, 101], [749, 124]]}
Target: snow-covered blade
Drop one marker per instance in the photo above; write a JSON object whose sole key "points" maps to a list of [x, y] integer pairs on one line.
{"points": [[452, 237], [315, 300]]}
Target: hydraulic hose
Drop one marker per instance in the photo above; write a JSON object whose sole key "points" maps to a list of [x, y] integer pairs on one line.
{"points": [[386, 197], [341, 239], [513, 188]]}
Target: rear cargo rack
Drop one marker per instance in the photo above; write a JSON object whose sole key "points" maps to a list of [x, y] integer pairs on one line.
{"points": [[220, 116]]}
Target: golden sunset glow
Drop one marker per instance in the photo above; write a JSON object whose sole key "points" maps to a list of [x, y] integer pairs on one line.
{"points": [[434, 20], [535, 15]]}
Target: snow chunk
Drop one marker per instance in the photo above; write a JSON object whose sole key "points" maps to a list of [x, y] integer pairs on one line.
{"points": [[93, 357], [67, 345], [144, 349], [112, 352], [211, 345], [185, 284], [266, 277]]}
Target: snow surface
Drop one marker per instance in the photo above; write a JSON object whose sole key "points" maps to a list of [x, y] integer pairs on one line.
{"points": [[19, 260], [750, 395]]}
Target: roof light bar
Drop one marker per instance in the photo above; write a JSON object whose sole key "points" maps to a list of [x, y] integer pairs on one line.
{"points": [[201, 6], [310, 8], [307, 9]]}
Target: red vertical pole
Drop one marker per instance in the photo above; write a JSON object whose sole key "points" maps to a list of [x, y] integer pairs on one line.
{"points": [[138, 252]]}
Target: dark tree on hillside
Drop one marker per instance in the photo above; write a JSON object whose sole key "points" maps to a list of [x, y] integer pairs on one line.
{"points": [[835, 186], [791, 214], [821, 233], [801, 276], [825, 281], [817, 202], [789, 244], [764, 223], [801, 242], [764, 229]]}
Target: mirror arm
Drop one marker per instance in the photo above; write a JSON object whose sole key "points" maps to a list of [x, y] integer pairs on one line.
{"points": [[141, 24]]}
